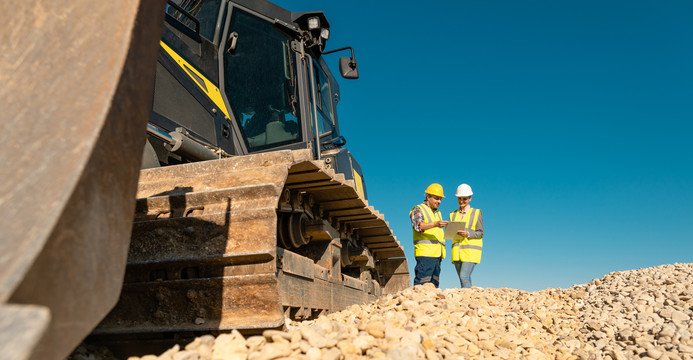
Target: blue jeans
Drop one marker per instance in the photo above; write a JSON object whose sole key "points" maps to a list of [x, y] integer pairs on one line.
{"points": [[427, 270], [464, 270]]}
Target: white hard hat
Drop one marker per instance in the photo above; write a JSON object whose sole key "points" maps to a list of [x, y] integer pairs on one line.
{"points": [[464, 190]]}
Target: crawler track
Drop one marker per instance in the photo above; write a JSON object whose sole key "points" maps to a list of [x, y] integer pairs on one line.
{"points": [[242, 243]]}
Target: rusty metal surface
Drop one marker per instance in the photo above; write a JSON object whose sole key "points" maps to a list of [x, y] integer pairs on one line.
{"points": [[395, 275], [266, 168], [228, 302], [204, 255], [301, 293], [203, 248], [76, 82], [345, 207]]}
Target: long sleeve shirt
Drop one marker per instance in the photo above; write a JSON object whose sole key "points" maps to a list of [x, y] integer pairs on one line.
{"points": [[417, 218]]}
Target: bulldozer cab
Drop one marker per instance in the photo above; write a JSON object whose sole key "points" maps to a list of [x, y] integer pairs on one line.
{"points": [[242, 77]]}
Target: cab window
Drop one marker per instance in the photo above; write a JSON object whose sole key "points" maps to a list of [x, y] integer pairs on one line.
{"points": [[324, 101], [205, 11], [260, 83]]}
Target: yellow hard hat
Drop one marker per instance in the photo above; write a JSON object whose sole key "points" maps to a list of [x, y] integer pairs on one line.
{"points": [[435, 189]]}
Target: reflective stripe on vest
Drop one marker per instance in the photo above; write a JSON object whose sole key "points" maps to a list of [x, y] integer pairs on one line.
{"points": [[430, 243], [465, 249], [426, 241]]}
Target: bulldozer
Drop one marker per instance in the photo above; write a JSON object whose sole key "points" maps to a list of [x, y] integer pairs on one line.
{"points": [[174, 168]]}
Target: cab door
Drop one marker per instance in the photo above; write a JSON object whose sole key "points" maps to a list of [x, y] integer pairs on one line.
{"points": [[260, 80], [321, 104]]}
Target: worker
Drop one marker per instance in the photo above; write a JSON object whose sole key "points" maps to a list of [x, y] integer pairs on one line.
{"points": [[466, 245], [429, 242]]}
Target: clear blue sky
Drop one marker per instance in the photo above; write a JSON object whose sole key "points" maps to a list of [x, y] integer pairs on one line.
{"points": [[571, 120]]}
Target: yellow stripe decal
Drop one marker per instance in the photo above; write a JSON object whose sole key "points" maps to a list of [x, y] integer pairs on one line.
{"points": [[358, 182], [208, 87]]}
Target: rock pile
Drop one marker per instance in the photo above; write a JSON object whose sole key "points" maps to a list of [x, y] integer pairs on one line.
{"points": [[643, 314]]}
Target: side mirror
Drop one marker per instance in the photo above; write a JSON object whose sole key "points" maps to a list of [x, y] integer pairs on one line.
{"points": [[348, 68]]}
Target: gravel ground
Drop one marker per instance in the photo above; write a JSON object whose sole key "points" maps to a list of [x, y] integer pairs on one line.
{"points": [[637, 314]]}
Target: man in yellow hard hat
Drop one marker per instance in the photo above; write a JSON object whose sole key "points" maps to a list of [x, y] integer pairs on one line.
{"points": [[429, 236]]}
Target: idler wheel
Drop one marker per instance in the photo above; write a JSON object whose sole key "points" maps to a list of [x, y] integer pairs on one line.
{"points": [[296, 223]]}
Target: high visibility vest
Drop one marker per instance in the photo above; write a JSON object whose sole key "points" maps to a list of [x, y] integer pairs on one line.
{"points": [[466, 249], [431, 242]]}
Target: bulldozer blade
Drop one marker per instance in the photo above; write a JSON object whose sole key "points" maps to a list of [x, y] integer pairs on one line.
{"points": [[77, 79], [21, 327]]}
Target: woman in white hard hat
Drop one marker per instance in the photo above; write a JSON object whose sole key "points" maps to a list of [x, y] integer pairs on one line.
{"points": [[466, 246]]}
